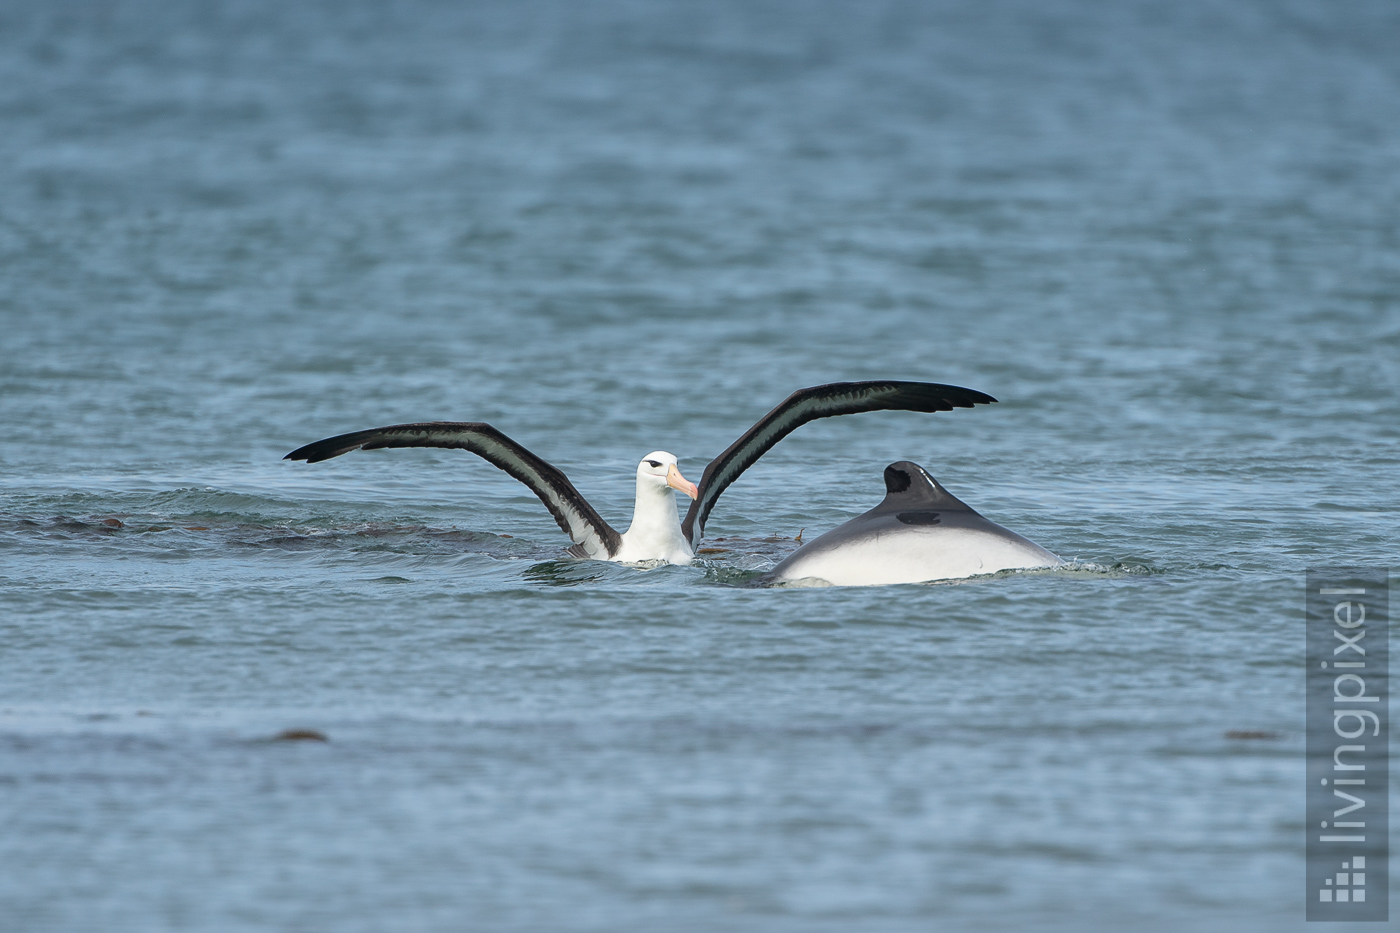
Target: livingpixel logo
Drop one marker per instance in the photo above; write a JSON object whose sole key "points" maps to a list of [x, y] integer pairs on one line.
{"points": [[1348, 744], [1350, 883]]}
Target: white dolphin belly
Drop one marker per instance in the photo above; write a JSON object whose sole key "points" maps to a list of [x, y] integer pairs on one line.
{"points": [[915, 557], [920, 532]]}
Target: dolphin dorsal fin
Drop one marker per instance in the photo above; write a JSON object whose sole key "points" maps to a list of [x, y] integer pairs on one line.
{"points": [[909, 486]]}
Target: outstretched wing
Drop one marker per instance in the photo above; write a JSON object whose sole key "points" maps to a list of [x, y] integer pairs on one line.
{"points": [[593, 536], [804, 405]]}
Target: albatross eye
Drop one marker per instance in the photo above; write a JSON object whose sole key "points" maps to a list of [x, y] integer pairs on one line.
{"points": [[654, 464]]}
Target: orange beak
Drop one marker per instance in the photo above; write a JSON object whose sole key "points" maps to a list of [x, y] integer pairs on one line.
{"points": [[676, 481]]}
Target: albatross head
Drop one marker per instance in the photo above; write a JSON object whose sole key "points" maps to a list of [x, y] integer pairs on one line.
{"points": [[658, 469]]}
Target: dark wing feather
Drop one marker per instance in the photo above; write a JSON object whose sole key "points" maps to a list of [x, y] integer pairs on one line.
{"points": [[838, 398], [595, 537]]}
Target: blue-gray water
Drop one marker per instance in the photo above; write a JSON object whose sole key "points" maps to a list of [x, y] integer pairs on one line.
{"points": [[1166, 236]]}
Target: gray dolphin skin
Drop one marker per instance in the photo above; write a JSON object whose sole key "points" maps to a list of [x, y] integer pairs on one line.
{"points": [[920, 532]]}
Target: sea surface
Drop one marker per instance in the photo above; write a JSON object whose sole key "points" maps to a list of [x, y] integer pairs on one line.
{"points": [[1165, 235]]}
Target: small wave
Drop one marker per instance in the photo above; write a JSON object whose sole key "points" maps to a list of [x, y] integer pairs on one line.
{"points": [[1076, 567], [804, 583], [730, 576], [159, 533], [565, 572]]}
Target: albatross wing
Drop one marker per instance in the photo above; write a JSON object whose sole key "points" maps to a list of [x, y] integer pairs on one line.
{"points": [[592, 536], [804, 405]]}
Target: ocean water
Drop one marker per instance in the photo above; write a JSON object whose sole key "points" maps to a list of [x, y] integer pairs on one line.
{"points": [[1165, 236]]}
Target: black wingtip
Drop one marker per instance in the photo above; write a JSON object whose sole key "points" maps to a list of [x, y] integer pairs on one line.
{"points": [[311, 453], [934, 396], [963, 397], [971, 397]]}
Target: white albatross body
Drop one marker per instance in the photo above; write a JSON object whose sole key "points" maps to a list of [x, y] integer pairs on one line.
{"points": [[656, 532]]}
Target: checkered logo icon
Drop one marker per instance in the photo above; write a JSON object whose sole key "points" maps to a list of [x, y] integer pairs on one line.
{"points": [[1349, 885]]}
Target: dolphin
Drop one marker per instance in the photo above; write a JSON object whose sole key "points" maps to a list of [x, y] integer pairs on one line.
{"points": [[920, 532]]}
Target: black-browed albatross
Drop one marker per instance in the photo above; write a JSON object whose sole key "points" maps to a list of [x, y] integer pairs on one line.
{"points": [[656, 532]]}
